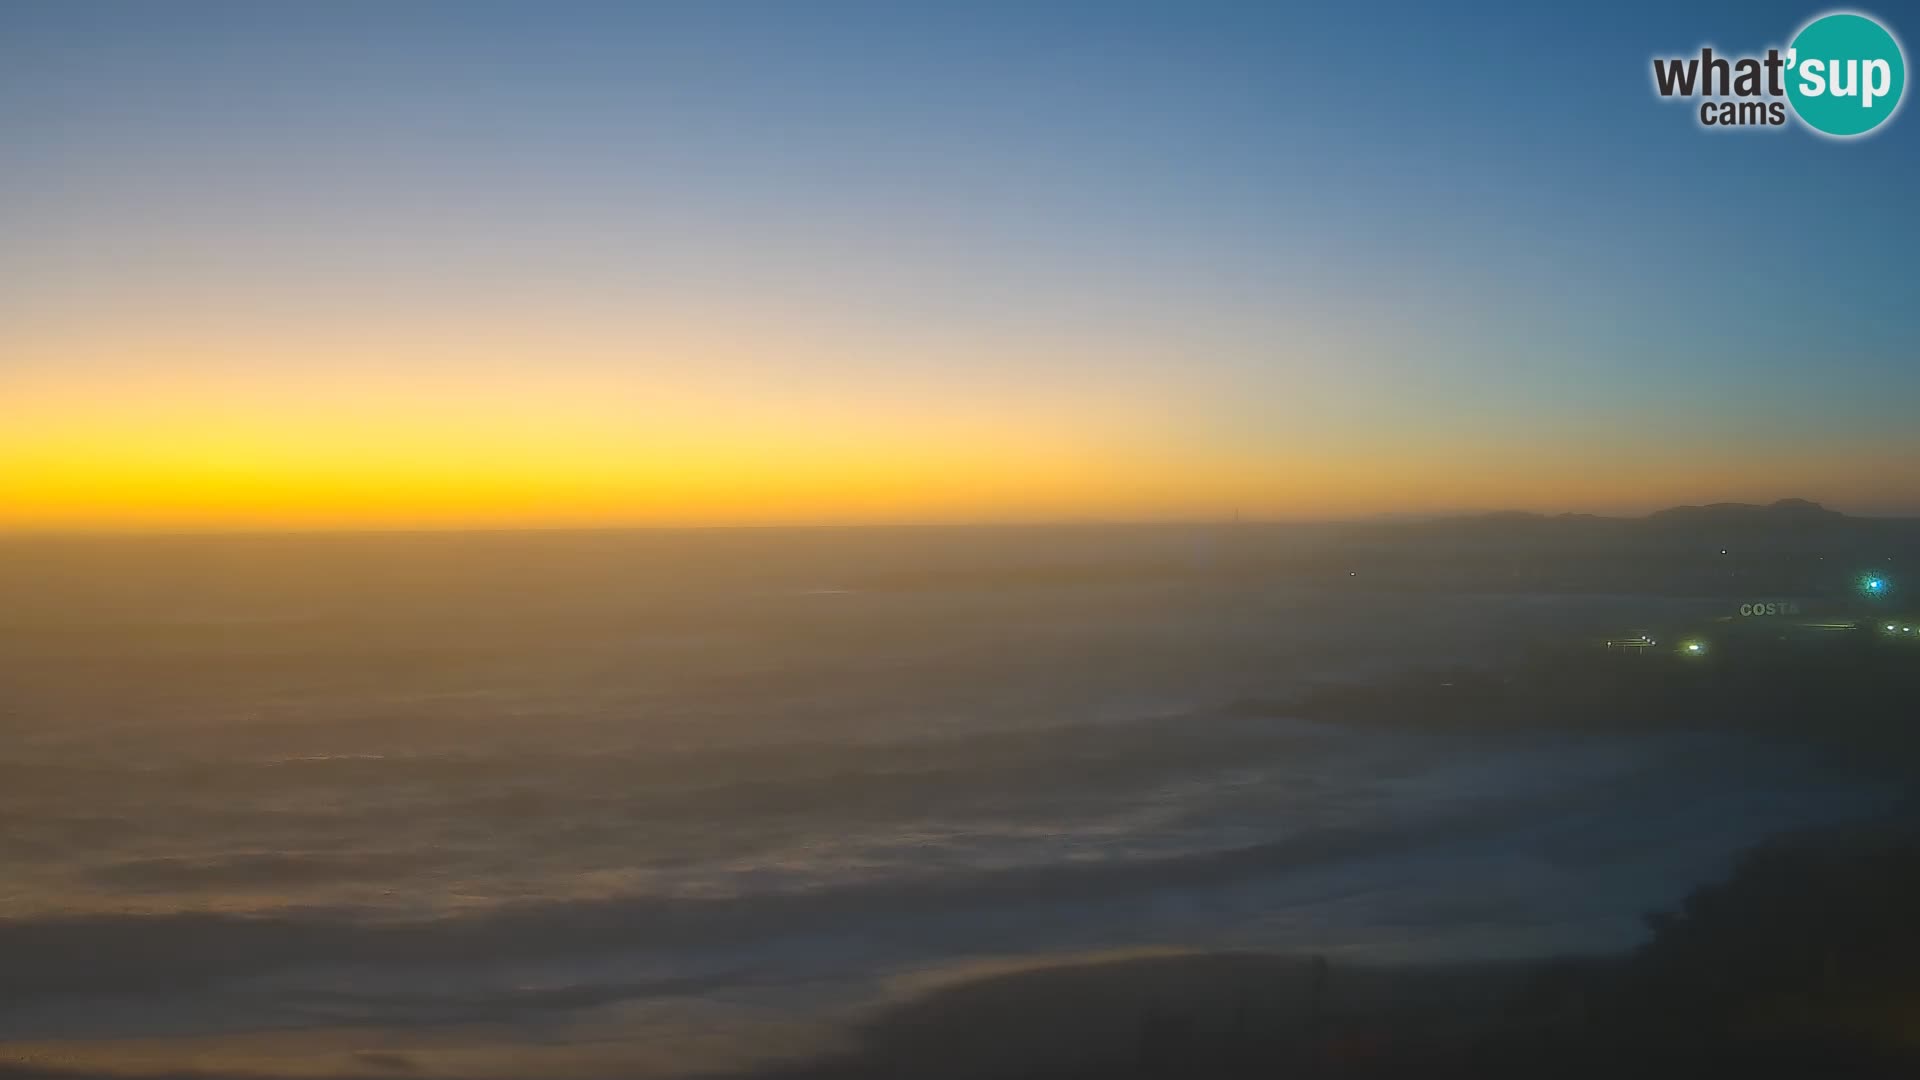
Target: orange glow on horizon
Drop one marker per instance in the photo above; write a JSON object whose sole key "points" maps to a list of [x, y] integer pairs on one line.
{"points": [[468, 435], [321, 464]]}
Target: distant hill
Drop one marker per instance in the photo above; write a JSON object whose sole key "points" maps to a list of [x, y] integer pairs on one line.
{"points": [[1793, 547], [1783, 512], [1721, 513], [1785, 517]]}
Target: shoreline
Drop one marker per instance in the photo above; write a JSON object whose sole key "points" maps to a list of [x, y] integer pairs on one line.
{"points": [[1795, 966]]}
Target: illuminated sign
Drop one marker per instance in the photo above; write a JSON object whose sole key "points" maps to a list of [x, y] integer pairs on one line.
{"points": [[1770, 607]]}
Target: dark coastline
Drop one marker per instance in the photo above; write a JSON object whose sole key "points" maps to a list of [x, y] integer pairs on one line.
{"points": [[1798, 965]]}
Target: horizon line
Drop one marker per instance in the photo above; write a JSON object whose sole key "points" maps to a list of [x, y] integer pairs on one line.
{"points": [[1235, 519]]}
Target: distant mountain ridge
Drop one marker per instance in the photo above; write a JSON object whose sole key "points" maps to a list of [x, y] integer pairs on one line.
{"points": [[1782, 511], [1791, 521], [1732, 512], [1789, 547]]}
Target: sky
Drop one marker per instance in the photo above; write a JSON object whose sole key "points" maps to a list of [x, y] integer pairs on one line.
{"points": [[372, 265]]}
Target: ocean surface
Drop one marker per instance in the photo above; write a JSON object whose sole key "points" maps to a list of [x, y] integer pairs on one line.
{"points": [[673, 801]]}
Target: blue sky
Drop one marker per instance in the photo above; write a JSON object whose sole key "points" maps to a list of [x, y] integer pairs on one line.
{"points": [[1465, 222]]}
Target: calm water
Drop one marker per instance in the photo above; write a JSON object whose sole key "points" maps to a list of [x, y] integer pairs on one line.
{"points": [[357, 804]]}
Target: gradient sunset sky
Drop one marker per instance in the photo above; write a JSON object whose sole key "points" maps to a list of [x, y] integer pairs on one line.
{"points": [[421, 265]]}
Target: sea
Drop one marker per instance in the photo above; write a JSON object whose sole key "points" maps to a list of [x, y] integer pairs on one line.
{"points": [[685, 801]]}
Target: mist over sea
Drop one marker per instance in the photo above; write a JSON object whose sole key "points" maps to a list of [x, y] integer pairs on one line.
{"points": [[375, 803]]}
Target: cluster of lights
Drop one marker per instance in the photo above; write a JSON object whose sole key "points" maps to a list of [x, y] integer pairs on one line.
{"points": [[1870, 584]]}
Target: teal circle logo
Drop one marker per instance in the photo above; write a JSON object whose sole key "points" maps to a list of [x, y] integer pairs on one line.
{"points": [[1845, 73]]}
